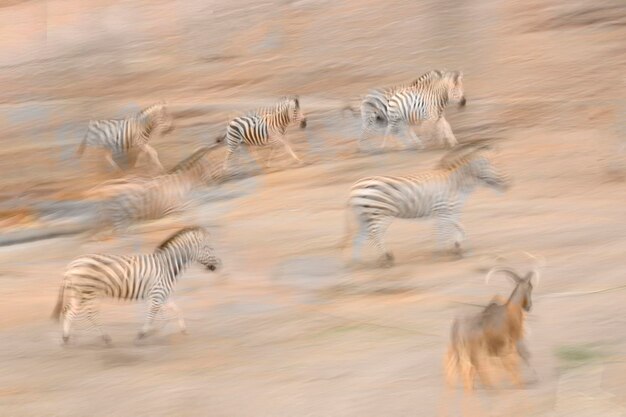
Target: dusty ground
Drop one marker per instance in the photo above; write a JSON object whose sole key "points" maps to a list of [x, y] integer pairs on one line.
{"points": [[288, 328]]}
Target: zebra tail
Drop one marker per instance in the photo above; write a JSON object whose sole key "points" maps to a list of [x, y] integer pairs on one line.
{"points": [[348, 231], [58, 308]]}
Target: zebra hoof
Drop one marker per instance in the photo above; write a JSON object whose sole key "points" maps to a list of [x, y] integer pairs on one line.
{"points": [[387, 260], [66, 340], [140, 336], [107, 340]]}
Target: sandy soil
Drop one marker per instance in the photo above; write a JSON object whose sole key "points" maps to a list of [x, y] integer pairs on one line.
{"points": [[288, 328]]}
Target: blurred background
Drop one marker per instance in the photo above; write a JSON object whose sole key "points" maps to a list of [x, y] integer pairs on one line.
{"points": [[288, 328]]}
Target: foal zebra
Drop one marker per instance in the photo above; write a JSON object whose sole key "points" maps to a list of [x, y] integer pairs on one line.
{"points": [[158, 197], [430, 93], [264, 127], [439, 193], [124, 136], [142, 277], [197, 161]]}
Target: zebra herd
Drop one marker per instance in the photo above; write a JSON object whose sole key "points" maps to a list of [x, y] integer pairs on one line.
{"points": [[373, 201]]}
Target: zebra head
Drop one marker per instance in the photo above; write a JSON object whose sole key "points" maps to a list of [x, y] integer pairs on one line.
{"points": [[295, 112], [456, 93], [475, 164], [206, 253], [486, 172]]}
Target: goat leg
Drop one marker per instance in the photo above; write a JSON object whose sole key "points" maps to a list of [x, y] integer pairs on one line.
{"points": [[523, 352], [511, 364]]}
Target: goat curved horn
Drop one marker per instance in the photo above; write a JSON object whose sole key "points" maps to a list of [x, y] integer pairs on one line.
{"points": [[508, 271]]}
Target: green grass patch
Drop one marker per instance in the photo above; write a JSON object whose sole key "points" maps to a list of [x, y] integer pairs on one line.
{"points": [[574, 356]]}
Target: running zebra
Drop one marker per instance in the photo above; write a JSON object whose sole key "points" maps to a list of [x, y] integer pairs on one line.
{"points": [[142, 277], [161, 196], [197, 161], [124, 137], [410, 104], [440, 193], [264, 127]]}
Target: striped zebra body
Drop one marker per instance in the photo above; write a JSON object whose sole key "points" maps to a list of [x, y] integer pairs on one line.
{"points": [[410, 104], [146, 277], [440, 193], [198, 163], [125, 136], [264, 127], [153, 199]]}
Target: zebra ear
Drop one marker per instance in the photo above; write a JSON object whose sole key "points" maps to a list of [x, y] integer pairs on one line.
{"points": [[458, 76]]}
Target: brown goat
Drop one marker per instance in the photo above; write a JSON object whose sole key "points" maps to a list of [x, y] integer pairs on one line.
{"points": [[497, 331]]}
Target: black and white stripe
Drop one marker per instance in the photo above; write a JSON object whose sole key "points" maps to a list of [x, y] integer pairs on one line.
{"points": [[147, 277], [264, 127], [158, 197], [440, 193], [198, 161], [410, 104], [122, 137]]}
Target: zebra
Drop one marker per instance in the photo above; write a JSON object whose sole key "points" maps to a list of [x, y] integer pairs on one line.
{"points": [[157, 197], [197, 161], [149, 277], [430, 93], [264, 127], [126, 136], [439, 193]]}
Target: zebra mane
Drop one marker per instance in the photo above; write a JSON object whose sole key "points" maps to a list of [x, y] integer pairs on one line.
{"points": [[177, 235], [151, 109], [463, 152], [278, 106], [286, 100], [191, 160], [427, 78], [435, 75]]}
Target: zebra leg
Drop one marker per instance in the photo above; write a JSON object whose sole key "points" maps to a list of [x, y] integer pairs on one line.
{"points": [[446, 227], [359, 239], [366, 132], [416, 140], [109, 157], [285, 143], [70, 311], [93, 319], [152, 154], [179, 316], [392, 130], [132, 157], [377, 229], [155, 306], [231, 153], [445, 132]]}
